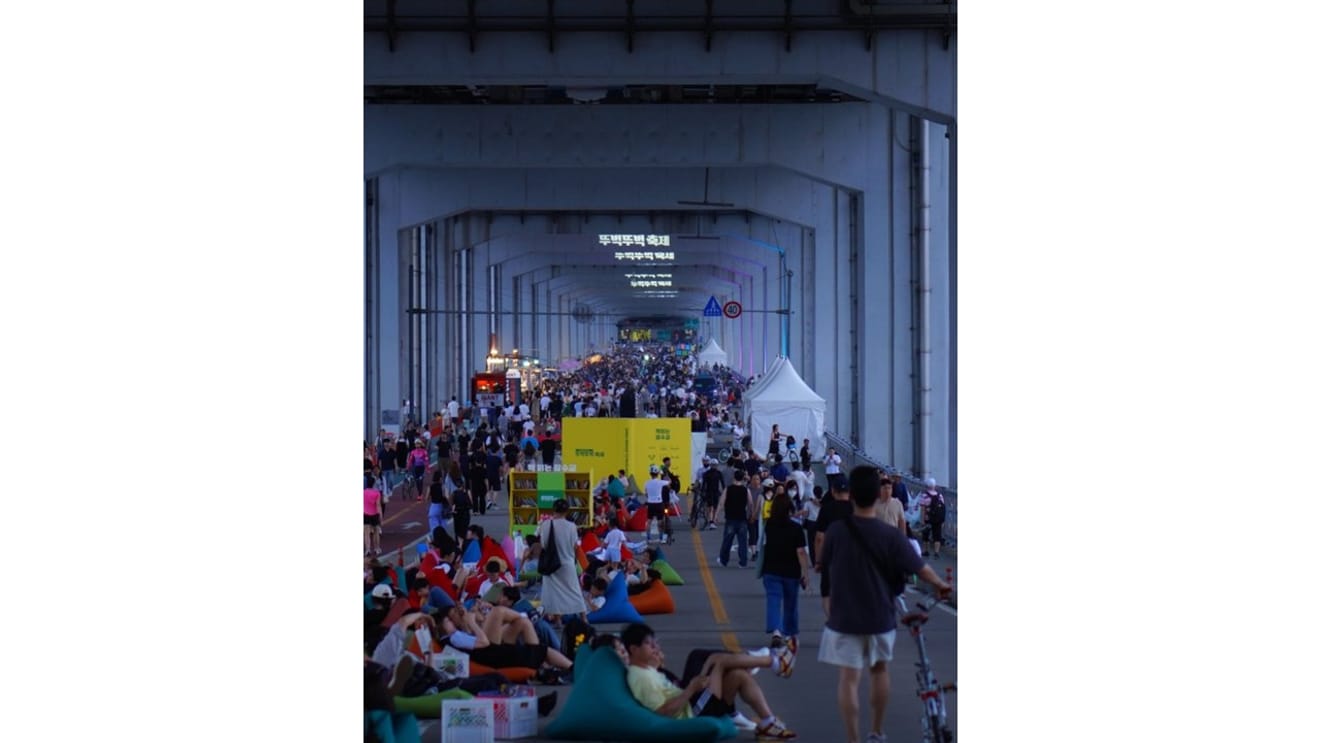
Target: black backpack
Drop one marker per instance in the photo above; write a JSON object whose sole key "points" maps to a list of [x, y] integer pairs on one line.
{"points": [[576, 634], [935, 510]]}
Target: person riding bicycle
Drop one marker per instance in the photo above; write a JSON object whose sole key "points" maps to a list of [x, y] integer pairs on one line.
{"points": [[418, 459]]}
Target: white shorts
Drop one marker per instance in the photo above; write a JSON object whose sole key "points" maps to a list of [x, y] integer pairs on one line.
{"points": [[856, 651]]}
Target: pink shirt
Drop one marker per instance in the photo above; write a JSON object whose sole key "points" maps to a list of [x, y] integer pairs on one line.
{"points": [[371, 502]]}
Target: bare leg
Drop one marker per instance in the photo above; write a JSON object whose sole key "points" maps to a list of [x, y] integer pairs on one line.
{"points": [[557, 659], [740, 683], [375, 537], [879, 695], [366, 539], [849, 678]]}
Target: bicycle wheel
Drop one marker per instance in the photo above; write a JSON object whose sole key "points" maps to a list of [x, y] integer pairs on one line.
{"points": [[724, 455]]}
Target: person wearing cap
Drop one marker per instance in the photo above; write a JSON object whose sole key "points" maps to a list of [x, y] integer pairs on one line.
{"points": [[560, 592], [933, 508], [655, 508]]}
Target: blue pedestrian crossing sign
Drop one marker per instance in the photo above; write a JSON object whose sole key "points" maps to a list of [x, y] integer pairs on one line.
{"points": [[712, 309]]}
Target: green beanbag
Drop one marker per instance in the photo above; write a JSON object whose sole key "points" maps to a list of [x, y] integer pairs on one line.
{"points": [[429, 705], [667, 573], [617, 608], [600, 707]]}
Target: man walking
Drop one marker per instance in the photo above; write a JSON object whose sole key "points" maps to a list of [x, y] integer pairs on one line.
{"points": [[734, 503], [867, 561]]}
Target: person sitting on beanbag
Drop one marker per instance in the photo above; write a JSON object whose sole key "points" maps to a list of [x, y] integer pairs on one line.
{"points": [[505, 639], [596, 593], [712, 681]]}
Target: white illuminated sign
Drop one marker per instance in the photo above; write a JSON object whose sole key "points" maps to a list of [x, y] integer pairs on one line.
{"points": [[624, 241], [643, 255]]}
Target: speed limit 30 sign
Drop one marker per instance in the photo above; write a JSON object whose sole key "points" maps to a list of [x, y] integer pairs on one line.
{"points": [[732, 309]]}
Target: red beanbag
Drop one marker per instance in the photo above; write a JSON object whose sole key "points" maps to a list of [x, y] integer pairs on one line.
{"points": [[515, 674]]}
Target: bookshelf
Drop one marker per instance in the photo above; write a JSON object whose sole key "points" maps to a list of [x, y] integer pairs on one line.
{"points": [[532, 497]]}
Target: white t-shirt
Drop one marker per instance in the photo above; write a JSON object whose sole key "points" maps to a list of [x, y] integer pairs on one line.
{"points": [[545, 403], [832, 464], [615, 538], [653, 488]]}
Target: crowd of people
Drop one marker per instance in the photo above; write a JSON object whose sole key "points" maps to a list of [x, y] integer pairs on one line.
{"points": [[862, 530]]}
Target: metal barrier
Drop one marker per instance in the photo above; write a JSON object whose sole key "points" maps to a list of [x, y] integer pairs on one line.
{"points": [[852, 456]]}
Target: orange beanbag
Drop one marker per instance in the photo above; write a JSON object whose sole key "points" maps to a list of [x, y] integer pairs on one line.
{"points": [[624, 552], [656, 599], [515, 674], [590, 542]]}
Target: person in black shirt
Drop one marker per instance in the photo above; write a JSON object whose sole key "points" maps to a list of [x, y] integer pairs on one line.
{"points": [[389, 464], [835, 507], [476, 477], [712, 486], [734, 503], [784, 570]]}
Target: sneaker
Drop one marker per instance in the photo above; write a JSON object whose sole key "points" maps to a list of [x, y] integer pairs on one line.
{"points": [[776, 637], [741, 722], [721, 563], [786, 659], [775, 731], [712, 527], [876, 738]]}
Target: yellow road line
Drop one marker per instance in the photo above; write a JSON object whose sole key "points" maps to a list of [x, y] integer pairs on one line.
{"points": [[729, 639]]}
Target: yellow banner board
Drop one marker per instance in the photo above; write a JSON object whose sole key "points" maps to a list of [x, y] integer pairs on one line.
{"points": [[598, 444], [608, 445]]}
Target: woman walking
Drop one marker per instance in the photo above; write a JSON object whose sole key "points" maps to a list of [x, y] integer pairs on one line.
{"points": [[784, 570], [560, 593], [373, 506]]}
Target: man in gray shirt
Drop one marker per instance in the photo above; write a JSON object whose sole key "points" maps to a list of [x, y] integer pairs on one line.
{"points": [[867, 562]]}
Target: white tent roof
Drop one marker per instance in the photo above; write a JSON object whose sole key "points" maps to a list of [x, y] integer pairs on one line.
{"points": [[712, 354], [781, 397], [781, 383]]}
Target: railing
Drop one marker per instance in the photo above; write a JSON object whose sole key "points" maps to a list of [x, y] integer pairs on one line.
{"points": [[852, 456]]}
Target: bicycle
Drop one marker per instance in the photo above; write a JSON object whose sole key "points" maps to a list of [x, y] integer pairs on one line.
{"points": [[724, 455], [699, 518], [934, 721]]}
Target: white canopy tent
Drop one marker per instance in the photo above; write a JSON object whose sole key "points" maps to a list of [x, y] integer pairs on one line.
{"points": [[712, 354], [781, 397]]}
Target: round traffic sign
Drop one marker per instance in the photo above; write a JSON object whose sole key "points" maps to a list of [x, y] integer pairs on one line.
{"points": [[732, 309]]}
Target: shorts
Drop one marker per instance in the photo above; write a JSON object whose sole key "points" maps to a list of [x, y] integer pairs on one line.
{"points": [[934, 532], [614, 554], [510, 656], [655, 510], [714, 707], [371, 519], [856, 651]]}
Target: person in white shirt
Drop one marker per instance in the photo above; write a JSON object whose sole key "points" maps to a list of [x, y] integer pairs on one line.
{"points": [[545, 406], [833, 466], [655, 509], [614, 545]]}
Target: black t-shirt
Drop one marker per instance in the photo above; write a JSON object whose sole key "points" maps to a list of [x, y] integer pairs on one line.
{"points": [[736, 500], [782, 540], [388, 458], [442, 446], [713, 482], [832, 510]]}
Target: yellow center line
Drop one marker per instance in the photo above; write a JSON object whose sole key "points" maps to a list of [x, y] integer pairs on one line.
{"points": [[729, 639]]}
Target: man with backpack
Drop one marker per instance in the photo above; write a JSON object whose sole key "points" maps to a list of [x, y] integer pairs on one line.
{"points": [[933, 512]]}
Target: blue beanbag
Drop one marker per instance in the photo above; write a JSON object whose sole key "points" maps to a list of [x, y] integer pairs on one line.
{"points": [[600, 707], [617, 607]]}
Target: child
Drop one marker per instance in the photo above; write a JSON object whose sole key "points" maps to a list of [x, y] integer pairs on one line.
{"points": [[614, 545], [596, 594]]}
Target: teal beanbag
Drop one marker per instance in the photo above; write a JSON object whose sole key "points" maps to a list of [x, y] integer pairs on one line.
{"points": [[392, 728], [617, 607], [600, 707], [429, 705], [668, 575]]}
